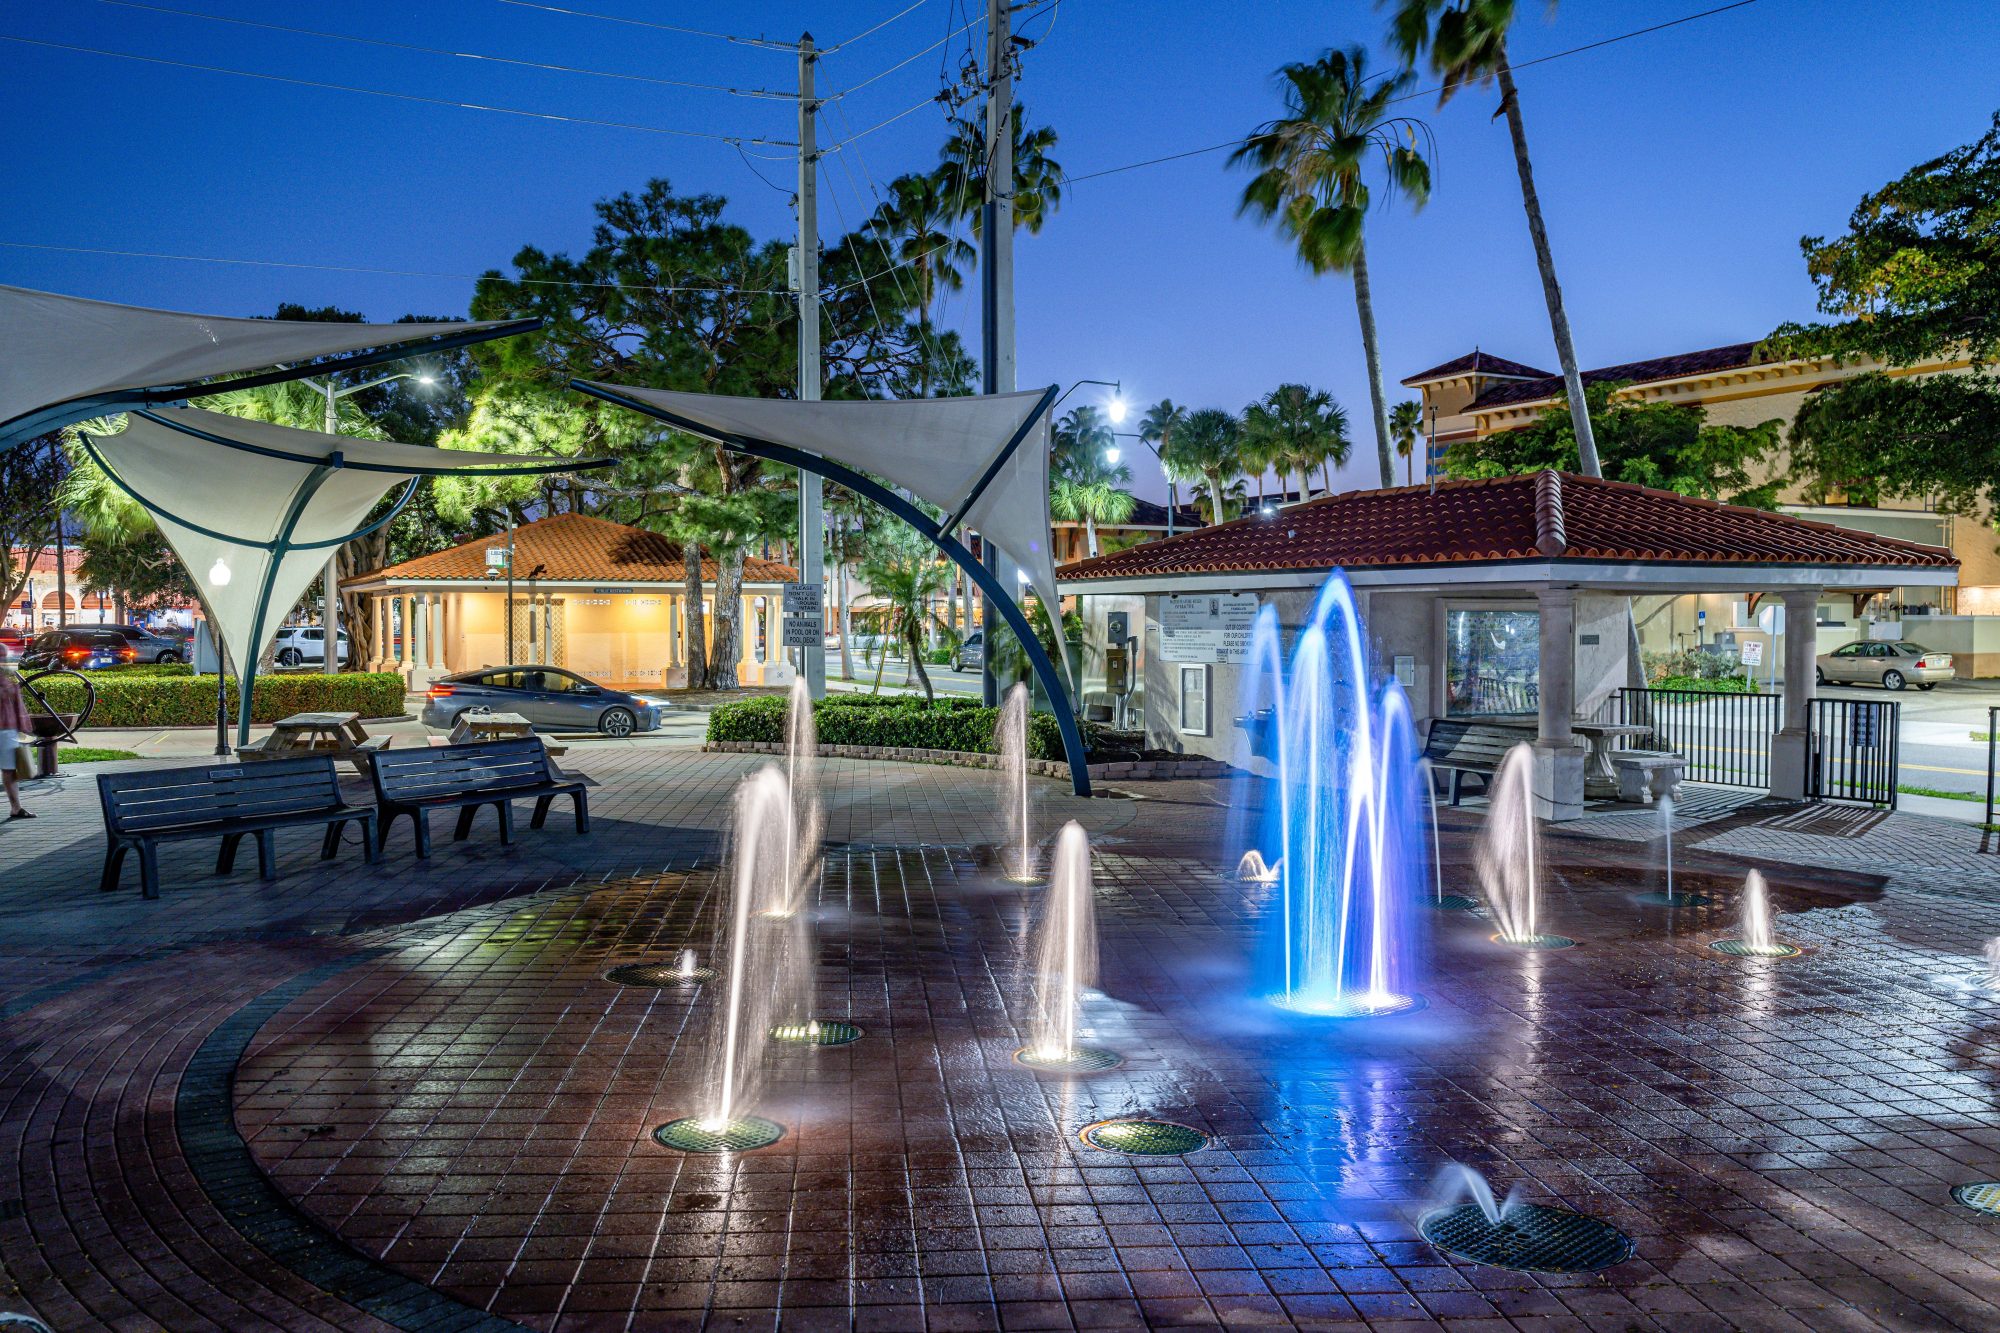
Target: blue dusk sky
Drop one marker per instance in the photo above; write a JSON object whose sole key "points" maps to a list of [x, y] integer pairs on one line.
{"points": [[1678, 169]]}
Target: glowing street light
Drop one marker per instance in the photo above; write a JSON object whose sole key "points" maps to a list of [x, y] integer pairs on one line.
{"points": [[1116, 410], [1111, 454]]}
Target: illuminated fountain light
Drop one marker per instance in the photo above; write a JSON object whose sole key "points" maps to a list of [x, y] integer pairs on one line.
{"points": [[1671, 896], [1755, 938], [1063, 955], [1252, 870], [1342, 814], [1011, 731], [1439, 901], [1509, 857]]}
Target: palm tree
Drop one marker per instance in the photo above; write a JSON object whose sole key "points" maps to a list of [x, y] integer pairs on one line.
{"points": [[916, 227], [1297, 426], [1406, 427], [1038, 177], [903, 569], [1466, 41], [1206, 449], [1312, 169], [1157, 428], [1088, 488]]}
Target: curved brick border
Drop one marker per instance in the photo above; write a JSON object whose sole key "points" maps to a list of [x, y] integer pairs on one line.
{"points": [[205, 1124]]}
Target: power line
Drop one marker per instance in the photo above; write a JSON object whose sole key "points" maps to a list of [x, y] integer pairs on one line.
{"points": [[869, 32], [437, 51], [880, 124], [763, 42], [400, 97], [386, 272], [1427, 92], [882, 74]]}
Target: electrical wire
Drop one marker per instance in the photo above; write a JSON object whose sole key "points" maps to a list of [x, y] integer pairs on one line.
{"points": [[880, 125], [869, 32], [456, 55], [764, 42], [882, 74], [400, 97]]}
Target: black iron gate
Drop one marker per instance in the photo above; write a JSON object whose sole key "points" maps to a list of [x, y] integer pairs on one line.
{"points": [[1725, 738], [1854, 750]]}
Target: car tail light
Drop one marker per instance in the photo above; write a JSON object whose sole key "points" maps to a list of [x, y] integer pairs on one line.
{"points": [[438, 692], [129, 654], [76, 654]]}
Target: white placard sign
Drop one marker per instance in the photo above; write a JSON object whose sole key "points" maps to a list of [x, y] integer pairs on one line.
{"points": [[805, 616], [1752, 652], [804, 599], [1208, 627]]}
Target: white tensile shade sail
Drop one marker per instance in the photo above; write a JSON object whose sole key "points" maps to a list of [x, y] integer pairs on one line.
{"points": [[939, 449], [67, 359], [252, 509]]}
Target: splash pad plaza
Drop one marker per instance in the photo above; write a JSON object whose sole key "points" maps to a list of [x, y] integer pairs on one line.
{"points": [[804, 1041]]}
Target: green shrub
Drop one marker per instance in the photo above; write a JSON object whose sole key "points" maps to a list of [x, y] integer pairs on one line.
{"points": [[141, 669], [1707, 684], [957, 724], [128, 700]]}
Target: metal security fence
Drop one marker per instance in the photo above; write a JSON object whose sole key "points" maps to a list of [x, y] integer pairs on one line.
{"points": [[1992, 759], [1725, 738], [1854, 750]]}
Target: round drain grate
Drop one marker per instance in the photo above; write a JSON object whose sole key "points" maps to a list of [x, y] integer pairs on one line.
{"points": [[1365, 1005], [658, 974], [1537, 942], [738, 1135], [818, 1032], [1147, 1138], [1082, 1060], [1983, 1195], [1452, 902], [1738, 949], [1658, 899], [1529, 1239]]}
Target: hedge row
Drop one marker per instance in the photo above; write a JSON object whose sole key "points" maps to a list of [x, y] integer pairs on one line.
{"points": [[956, 724], [127, 700]]}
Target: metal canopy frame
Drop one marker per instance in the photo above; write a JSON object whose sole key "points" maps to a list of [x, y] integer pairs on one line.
{"points": [[57, 415], [937, 533], [282, 545]]}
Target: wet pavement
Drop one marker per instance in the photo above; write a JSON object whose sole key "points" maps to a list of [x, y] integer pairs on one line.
{"points": [[404, 1096]]}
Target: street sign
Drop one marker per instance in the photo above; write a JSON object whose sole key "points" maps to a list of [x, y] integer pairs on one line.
{"points": [[1753, 652], [496, 557], [1211, 628], [805, 615], [804, 599], [1865, 730], [804, 632]]}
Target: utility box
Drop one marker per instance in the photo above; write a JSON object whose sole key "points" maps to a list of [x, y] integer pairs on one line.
{"points": [[1118, 670]]}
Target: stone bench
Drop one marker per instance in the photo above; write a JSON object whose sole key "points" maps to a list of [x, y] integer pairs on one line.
{"points": [[1647, 775]]}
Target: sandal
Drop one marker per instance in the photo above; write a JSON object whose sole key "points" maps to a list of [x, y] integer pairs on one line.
{"points": [[22, 814]]}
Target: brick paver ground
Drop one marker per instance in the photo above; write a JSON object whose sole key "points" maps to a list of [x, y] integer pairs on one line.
{"points": [[402, 1096]]}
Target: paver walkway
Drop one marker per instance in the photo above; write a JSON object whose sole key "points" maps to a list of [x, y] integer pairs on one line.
{"points": [[403, 1097]]}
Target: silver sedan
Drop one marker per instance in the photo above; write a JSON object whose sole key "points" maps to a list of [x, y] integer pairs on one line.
{"points": [[549, 697], [1887, 663]]}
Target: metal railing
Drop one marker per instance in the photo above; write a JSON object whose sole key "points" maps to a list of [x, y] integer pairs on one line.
{"points": [[1992, 760], [1855, 750], [1725, 738]]}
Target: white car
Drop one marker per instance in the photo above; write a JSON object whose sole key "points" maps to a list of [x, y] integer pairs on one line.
{"points": [[301, 644]]}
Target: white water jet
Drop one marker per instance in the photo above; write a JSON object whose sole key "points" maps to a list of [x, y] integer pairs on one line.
{"points": [[1508, 868], [1992, 955], [768, 949], [1064, 948], [688, 965], [1252, 869], [1459, 1181], [1429, 776], [1755, 931], [1666, 804], [807, 827], [1011, 731]]}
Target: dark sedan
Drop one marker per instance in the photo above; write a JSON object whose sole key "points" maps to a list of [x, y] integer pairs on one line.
{"points": [[550, 698], [78, 649]]}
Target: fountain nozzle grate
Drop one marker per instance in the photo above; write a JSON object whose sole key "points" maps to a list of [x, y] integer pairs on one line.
{"points": [[1146, 1138], [741, 1134], [1078, 1060], [817, 1032], [1528, 1238], [1537, 942], [1982, 1194], [658, 975], [1742, 949]]}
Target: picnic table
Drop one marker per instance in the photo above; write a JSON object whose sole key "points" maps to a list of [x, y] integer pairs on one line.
{"points": [[1599, 777], [476, 724], [340, 735]]}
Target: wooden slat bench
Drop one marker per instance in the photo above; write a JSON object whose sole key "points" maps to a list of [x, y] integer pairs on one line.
{"points": [[228, 801], [465, 777], [1459, 746]]}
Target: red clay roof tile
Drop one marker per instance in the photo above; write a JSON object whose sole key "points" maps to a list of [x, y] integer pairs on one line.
{"points": [[1479, 363], [577, 548], [1703, 362]]}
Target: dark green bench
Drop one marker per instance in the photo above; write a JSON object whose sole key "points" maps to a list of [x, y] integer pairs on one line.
{"points": [[1459, 746], [464, 777], [232, 802]]}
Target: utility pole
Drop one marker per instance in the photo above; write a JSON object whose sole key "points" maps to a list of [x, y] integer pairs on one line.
{"points": [[996, 278], [330, 652], [812, 521]]}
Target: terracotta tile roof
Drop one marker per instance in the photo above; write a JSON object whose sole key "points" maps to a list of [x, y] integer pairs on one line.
{"points": [[1478, 363], [1732, 357], [579, 549], [1544, 515]]}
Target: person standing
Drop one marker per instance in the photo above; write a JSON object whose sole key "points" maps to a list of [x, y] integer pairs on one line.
{"points": [[14, 728]]}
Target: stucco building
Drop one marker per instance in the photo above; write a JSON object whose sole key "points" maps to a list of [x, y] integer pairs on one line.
{"points": [[1480, 394]]}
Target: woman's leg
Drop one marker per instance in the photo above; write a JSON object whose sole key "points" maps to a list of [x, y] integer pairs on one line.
{"points": [[13, 788]]}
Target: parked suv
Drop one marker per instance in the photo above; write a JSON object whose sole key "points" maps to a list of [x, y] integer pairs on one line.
{"points": [[150, 647], [1893, 665], [971, 654], [307, 643], [78, 649]]}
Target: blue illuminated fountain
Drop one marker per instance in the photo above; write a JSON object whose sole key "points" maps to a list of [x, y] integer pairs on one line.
{"points": [[1342, 823]]}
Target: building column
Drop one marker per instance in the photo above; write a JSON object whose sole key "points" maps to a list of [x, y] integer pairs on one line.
{"points": [[1559, 760], [433, 619], [1791, 746], [378, 611], [746, 640], [405, 606], [448, 641], [673, 631], [419, 637]]}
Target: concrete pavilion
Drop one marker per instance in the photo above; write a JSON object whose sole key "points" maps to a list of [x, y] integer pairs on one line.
{"points": [[605, 600], [1491, 597]]}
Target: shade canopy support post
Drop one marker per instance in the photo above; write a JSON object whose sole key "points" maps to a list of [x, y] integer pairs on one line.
{"points": [[931, 530], [246, 662]]}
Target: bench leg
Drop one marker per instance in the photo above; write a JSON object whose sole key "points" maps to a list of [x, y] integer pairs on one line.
{"points": [[331, 842], [1457, 781], [149, 870], [506, 811], [114, 865], [370, 849], [267, 855], [225, 859], [422, 819], [582, 814], [541, 816], [464, 829]]}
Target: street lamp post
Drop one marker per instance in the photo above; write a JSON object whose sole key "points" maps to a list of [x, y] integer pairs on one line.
{"points": [[330, 622]]}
